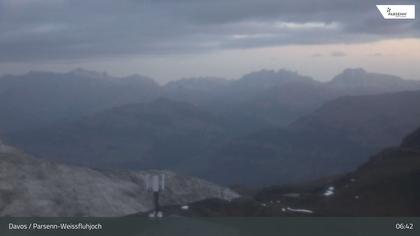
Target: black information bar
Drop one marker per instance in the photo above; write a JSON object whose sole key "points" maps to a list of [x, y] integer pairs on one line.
{"points": [[287, 226]]}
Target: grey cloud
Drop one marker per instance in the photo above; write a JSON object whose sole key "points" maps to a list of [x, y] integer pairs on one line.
{"points": [[65, 29]]}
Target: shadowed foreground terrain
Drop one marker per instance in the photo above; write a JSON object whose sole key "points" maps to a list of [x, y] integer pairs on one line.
{"points": [[387, 185]]}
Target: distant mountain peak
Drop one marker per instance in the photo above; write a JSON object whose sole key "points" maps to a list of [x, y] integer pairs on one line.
{"points": [[360, 74], [202, 84], [363, 81], [88, 73], [354, 71], [269, 78], [136, 76], [266, 74]]}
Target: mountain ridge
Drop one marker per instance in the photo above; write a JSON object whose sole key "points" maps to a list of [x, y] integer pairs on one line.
{"points": [[129, 136]]}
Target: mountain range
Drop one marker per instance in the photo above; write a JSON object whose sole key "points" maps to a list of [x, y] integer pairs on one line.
{"points": [[257, 100], [41, 99], [264, 128]]}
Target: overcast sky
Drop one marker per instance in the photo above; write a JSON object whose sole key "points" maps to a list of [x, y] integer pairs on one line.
{"points": [[170, 39]]}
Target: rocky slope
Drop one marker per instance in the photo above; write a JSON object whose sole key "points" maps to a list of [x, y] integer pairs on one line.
{"points": [[31, 187], [387, 185]]}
